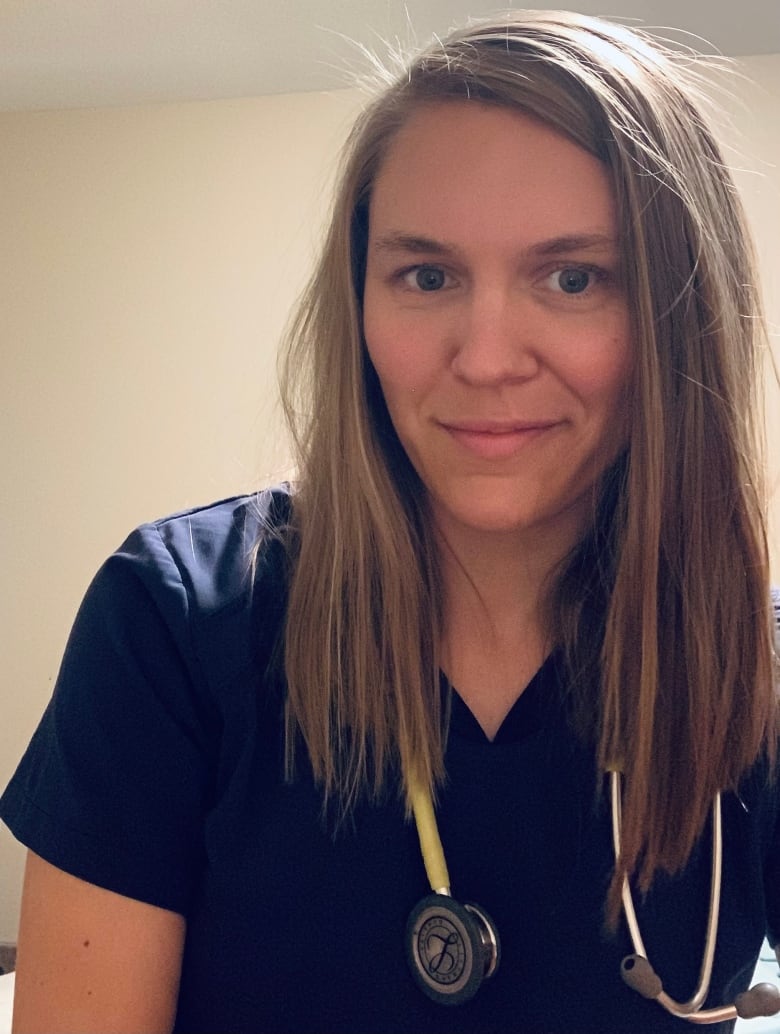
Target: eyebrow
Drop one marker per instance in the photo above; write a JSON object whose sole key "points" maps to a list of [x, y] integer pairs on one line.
{"points": [[411, 243]]}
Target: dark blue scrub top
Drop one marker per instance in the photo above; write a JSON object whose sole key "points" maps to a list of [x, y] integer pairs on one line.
{"points": [[157, 772]]}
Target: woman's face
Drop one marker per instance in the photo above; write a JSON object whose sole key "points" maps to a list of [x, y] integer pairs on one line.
{"points": [[496, 319]]}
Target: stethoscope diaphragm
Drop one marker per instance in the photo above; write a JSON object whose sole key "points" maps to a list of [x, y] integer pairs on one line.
{"points": [[451, 948]]}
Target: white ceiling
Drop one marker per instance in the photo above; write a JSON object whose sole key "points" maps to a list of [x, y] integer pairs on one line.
{"points": [[85, 53]]}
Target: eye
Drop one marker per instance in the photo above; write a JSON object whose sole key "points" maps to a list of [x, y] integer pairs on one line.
{"points": [[573, 280], [426, 278]]}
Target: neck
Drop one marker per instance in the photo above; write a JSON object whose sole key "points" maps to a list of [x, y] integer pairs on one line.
{"points": [[501, 574], [495, 630]]}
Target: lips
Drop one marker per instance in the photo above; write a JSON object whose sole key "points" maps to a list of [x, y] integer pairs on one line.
{"points": [[497, 440]]}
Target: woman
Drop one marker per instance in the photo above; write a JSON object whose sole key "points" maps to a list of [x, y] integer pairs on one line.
{"points": [[526, 549]]}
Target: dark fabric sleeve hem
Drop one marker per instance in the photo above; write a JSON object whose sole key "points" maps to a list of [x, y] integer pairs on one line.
{"points": [[154, 883]]}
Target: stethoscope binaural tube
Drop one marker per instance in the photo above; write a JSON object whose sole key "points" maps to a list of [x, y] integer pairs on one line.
{"points": [[760, 1000], [451, 947]]}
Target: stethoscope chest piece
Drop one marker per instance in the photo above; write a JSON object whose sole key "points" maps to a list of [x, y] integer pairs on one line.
{"points": [[451, 948]]}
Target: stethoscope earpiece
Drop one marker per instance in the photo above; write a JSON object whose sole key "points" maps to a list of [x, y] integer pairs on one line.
{"points": [[640, 976], [760, 1000], [451, 948]]}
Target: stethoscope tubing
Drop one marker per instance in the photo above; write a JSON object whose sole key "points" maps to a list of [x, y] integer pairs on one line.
{"points": [[682, 1010], [430, 841], [479, 944]]}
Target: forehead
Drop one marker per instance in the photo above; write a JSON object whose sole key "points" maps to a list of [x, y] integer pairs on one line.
{"points": [[465, 164]]}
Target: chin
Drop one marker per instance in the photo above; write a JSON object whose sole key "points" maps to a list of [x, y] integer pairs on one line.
{"points": [[563, 522], [486, 520]]}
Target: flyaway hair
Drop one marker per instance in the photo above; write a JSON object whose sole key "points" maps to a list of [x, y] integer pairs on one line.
{"points": [[663, 609]]}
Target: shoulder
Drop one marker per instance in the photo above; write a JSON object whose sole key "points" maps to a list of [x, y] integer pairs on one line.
{"points": [[209, 557], [164, 677], [208, 585]]}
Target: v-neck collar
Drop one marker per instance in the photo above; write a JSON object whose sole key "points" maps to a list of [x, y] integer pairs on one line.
{"points": [[538, 706]]}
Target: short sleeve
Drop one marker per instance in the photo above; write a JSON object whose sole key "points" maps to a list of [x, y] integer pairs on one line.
{"points": [[113, 786], [772, 865]]}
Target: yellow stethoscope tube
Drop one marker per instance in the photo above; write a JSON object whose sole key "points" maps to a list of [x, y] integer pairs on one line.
{"points": [[430, 841], [761, 1000]]}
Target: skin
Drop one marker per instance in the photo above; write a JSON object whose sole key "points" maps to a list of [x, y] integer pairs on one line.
{"points": [[93, 961], [506, 385], [495, 317]]}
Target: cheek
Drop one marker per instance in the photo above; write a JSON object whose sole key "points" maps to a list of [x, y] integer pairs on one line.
{"points": [[609, 384], [620, 368], [378, 337], [397, 354], [602, 372]]}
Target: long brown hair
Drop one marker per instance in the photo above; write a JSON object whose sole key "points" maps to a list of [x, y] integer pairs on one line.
{"points": [[665, 605]]}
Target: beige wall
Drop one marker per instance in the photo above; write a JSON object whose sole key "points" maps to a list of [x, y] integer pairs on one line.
{"points": [[753, 149], [149, 257]]}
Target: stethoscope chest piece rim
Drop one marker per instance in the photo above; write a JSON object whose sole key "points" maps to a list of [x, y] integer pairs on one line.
{"points": [[451, 948]]}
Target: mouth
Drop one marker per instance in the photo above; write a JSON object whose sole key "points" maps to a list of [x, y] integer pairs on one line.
{"points": [[497, 440]]}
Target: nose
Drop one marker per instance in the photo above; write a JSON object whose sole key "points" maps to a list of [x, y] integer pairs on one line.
{"points": [[497, 338]]}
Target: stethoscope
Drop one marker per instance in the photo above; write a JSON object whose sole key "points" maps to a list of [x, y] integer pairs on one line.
{"points": [[452, 947]]}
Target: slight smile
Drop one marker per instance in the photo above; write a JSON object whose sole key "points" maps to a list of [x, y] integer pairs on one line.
{"points": [[497, 440]]}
